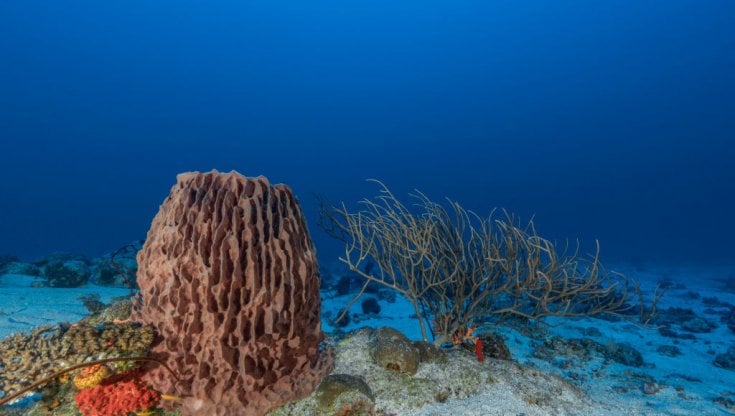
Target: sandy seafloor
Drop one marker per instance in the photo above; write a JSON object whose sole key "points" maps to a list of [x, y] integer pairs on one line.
{"points": [[699, 381], [702, 381]]}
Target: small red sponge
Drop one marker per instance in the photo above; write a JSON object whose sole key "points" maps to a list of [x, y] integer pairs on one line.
{"points": [[118, 398]]}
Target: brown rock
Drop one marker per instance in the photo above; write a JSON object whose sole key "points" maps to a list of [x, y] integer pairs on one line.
{"points": [[428, 352], [228, 277], [339, 390], [493, 346], [393, 351]]}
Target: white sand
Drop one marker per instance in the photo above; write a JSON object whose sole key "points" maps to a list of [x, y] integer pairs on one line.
{"points": [[695, 361], [23, 307]]}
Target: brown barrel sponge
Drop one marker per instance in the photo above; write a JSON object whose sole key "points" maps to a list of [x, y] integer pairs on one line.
{"points": [[228, 277]]}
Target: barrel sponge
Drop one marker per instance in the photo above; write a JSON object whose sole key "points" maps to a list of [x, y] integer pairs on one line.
{"points": [[228, 277]]}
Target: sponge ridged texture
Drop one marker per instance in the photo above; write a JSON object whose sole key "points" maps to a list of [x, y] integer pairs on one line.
{"points": [[229, 278]]}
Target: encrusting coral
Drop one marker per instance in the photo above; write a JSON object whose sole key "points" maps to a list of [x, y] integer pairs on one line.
{"points": [[91, 376], [87, 369], [229, 278], [25, 358]]}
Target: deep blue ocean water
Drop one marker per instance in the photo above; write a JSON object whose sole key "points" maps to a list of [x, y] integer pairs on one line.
{"points": [[611, 121], [606, 120]]}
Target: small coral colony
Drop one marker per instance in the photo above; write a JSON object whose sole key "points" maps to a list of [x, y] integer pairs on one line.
{"points": [[226, 316]]}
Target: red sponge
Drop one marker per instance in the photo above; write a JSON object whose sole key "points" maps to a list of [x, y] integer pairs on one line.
{"points": [[118, 398]]}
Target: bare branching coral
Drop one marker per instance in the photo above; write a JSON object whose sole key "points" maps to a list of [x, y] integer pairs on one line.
{"points": [[459, 269]]}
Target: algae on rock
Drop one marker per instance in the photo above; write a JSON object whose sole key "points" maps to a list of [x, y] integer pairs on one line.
{"points": [[338, 392]]}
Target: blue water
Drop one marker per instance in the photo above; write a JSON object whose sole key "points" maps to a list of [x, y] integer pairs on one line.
{"points": [[607, 120], [604, 120]]}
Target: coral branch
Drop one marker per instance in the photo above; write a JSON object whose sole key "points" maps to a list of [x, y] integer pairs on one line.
{"points": [[458, 269]]}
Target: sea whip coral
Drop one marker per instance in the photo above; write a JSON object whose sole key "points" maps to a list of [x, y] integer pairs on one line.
{"points": [[229, 278]]}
